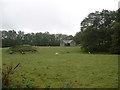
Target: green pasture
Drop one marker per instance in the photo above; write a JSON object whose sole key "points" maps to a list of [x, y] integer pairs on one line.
{"points": [[62, 67]]}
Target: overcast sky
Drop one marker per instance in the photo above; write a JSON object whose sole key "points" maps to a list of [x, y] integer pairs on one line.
{"points": [[54, 16]]}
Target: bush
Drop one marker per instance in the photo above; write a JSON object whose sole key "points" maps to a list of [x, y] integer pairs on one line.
{"points": [[6, 75], [22, 49]]}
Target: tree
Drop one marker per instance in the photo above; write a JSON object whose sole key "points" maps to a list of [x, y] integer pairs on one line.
{"points": [[20, 37], [89, 40], [118, 15], [76, 38], [38, 39], [96, 31], [115, 37], [115, 42], [9, 38], [99, 19]]}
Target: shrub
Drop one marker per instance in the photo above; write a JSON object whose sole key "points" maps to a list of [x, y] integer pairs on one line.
{"points": [[6, 75], [22, 49]]}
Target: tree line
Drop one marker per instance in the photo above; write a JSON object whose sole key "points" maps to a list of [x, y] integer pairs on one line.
{"points": [[12, 38], [100, 32]]}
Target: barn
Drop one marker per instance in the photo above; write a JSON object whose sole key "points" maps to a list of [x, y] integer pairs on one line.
{"points": [[67, 43]]}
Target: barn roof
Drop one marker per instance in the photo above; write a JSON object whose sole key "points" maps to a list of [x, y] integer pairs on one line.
{"points": [[67, 41]]}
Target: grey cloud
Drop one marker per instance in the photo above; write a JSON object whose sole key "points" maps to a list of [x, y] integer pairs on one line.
{"points": [[54, 16], [36, 16]]}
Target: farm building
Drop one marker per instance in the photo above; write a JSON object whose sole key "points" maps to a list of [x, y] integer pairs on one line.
{"points": [[67, 43]]}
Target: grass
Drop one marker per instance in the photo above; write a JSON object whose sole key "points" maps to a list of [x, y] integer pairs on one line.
{"points": [[70, 68]]}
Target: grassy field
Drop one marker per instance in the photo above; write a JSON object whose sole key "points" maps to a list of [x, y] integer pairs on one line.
{"points": [[70, 68]]}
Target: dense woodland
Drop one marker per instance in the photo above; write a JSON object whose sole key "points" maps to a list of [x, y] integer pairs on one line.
{"points": [[100, 32]]}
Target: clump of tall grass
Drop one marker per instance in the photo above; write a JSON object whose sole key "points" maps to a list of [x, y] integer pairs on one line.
{"points": [[22, 49], [68, 84], [6, 80]]}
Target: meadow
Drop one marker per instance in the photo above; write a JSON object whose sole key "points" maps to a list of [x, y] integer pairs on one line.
{"points": [[62, 67]]}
